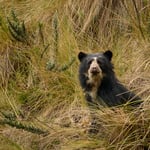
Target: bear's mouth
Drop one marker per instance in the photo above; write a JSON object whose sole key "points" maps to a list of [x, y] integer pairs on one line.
{"points": [[95, 72]]}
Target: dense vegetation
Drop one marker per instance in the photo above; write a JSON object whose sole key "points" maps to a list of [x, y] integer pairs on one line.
{"points": [[42, 106]]}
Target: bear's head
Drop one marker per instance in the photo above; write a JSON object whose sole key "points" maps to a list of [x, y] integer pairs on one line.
{"points": [[94, 67]]}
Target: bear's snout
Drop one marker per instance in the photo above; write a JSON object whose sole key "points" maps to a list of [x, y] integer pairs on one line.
{"points": [[95, 70], [94, 67]]}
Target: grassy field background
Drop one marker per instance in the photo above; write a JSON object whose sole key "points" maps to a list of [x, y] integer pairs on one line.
{"points": [[42, 106]]}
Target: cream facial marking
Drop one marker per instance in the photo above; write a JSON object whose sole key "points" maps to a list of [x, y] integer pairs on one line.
{"points": [[94, 69], [95, 76]]}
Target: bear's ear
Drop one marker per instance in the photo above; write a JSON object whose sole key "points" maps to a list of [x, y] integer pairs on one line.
{"points": [[81, 55], [108, 54]]}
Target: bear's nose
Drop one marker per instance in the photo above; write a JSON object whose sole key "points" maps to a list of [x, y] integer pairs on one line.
{"points": [[94, 70]]}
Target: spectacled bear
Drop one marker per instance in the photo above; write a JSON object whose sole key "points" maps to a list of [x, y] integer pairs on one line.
{"points": [[99, 82]]}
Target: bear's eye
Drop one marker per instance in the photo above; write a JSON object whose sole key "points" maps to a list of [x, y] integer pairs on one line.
{"points": [[99, 62], [89, 62]]}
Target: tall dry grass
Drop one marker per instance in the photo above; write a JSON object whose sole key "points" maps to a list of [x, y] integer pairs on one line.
{"points": [[44, 108]]}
